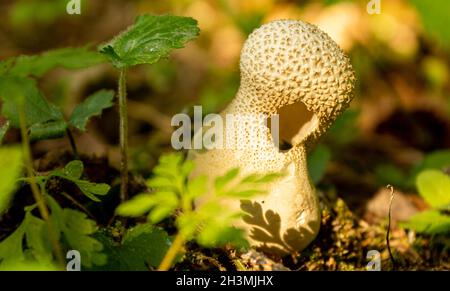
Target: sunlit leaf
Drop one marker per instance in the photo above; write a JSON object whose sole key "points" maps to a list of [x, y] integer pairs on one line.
{"points": [[10, 169], [150, 38], [431, 222], [434, 187]]}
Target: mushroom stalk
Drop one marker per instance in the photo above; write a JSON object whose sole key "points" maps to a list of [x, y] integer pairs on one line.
{"points": [[291, 70]]}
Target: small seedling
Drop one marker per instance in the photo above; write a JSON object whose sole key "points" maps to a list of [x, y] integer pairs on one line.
{"points": [[151, 38]]}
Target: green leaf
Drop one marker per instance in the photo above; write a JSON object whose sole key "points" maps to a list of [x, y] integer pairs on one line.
{"points": [[92, 189], [437, 160], [434, 16], [3, 131], [77, 231], [29, 242], [197, 187], [216, 235], [150, 38], [318, 160], [28, 265], [434, 187], [74, 169], [222, 181], [431, 222], [147, 244], [73, 172], [48, 130], [92, 106], [11, 247], [37, 238], [136, 206], [15, 91], [69, 58], [10, 170], [143, 246], [166, 203], [160, 182]]}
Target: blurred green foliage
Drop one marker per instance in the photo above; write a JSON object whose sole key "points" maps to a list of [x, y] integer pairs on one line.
{"points": [[10, 170], [435, 20]]}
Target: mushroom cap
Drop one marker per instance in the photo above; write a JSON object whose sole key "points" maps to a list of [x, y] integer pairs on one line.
{"points": [[287, 61]]}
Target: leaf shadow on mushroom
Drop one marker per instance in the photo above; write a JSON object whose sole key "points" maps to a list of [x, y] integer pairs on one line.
{"points": [[266, 230]]}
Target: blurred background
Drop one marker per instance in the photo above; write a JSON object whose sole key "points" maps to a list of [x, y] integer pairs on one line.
{"points": [[397, 125]]}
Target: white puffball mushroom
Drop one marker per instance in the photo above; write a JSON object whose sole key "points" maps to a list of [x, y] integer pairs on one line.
{"points": [[293, 69]]}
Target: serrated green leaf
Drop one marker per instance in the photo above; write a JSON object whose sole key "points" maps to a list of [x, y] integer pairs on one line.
{"points": [[28, 243], [188, 224], [268, 178], [166, 203], [169, 165], [431, 222], [3, 131], [69, 58], [48, 130], [150, 38], [243, 194], [11, 247], [77, 230], [219, 233], [92, 106], [142, 247], [136, 206], [148, 244], [187, 167], [160, 182], [434, 187], [37, 238], [15, 91], [10, 169], [221, 181], [197, 187]]}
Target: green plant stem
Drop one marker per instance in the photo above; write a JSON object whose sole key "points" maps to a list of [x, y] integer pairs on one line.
{"points": [[180, 239], [394, 263], [123, 135], [73, 145], [40, 199], [171, 254]]}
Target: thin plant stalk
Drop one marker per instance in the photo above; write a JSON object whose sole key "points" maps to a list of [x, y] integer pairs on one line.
{"points": [[38, 197], [123, 135], [394, 263], [73, 145], [179, 240], [173, 251]]}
